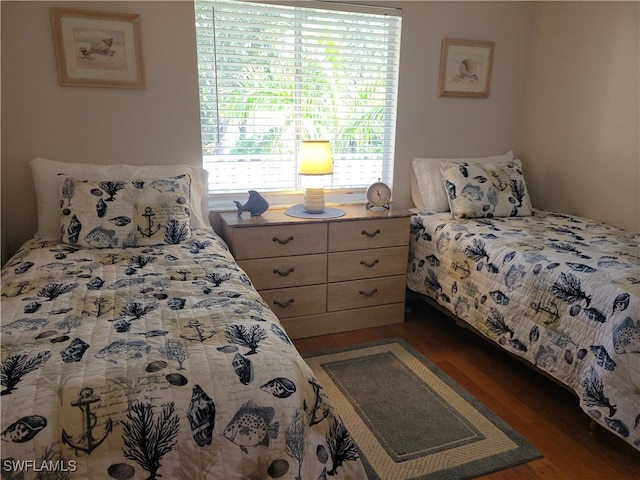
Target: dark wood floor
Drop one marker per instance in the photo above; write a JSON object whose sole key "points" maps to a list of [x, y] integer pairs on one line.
{"points": [[542, 411]]}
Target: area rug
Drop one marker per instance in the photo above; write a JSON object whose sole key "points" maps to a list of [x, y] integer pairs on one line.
{"points": [[409, 419]]}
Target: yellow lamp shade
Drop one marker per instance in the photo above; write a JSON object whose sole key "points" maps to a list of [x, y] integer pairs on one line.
{"points": [[315, 158]]}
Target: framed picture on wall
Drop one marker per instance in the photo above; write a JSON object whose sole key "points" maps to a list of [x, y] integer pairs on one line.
{"points": [[465, 68], [97, 49]]}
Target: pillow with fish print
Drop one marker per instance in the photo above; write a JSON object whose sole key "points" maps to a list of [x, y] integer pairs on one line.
{"points": [[120, 214], [486, 190]]}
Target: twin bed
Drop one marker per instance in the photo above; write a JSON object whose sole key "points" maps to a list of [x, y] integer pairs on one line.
{"points": [[154, 360], [133, 345], [559, 291]]}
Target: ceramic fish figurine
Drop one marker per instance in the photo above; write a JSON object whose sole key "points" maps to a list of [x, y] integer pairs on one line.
{"points": [[256, 205]]}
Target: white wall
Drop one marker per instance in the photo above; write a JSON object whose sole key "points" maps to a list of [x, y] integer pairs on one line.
{"points": [[564, 97], [434, 126], [160, 124], [580, 131], [94, 125]]}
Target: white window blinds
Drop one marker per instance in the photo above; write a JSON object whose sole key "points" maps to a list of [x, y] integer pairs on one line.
{"points": [[271, 76]]}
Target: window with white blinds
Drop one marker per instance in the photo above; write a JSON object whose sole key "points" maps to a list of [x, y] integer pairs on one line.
{"points": [[271, 76]]}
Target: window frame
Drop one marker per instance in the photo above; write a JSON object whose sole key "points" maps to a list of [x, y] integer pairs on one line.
{"points": [[355, 194]]}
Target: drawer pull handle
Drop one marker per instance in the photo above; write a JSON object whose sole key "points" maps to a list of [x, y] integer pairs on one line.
{"points": [[283, 242], [371, 235], [284, 274], [284, 304], [368, 294], [369, 265]]}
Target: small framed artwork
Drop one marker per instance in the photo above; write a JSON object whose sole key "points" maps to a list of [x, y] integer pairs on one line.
{"points": [[465, 68], [97, 49]]}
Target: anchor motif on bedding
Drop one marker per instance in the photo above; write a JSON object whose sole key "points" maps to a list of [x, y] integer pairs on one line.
{"points": [[318, 411], [498, 182], [551, 309], [87, 443], [461, 267], [148, 214]]}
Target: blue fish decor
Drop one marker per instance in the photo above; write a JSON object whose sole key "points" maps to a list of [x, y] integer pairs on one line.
{"points": [[256, 205]]}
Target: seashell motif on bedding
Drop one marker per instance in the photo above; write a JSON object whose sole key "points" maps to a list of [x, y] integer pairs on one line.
{"points": [[24, 429], [562, 293]]}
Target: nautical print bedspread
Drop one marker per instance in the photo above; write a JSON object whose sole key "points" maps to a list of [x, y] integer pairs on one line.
{"points": [[561, 291], [155, 362]]}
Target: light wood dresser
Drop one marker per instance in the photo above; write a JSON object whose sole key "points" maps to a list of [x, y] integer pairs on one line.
{"points": [[323, 276]]}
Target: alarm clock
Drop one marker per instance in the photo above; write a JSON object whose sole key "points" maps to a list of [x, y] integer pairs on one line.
{"points": [[378, 195]]}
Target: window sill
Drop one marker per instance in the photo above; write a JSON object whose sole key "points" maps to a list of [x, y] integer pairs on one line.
{"points": [[225, 203]]}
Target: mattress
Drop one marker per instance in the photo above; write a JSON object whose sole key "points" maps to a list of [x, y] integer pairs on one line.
{"points": [[562, 292], [155, 361]]}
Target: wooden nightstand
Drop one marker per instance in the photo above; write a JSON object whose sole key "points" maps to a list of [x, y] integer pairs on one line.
{"points": [[323, 276]]}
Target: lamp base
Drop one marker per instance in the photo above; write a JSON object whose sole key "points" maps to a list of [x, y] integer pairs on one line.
{"points": [[314, 200], [299, 212]]}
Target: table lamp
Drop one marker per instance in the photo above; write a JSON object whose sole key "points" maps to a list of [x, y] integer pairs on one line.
{"points": [[314, 159]]}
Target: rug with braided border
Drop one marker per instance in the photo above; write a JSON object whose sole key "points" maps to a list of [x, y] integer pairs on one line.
{"points": [[409, 419]]}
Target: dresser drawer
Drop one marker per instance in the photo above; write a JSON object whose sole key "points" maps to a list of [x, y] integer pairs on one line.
{"points": [[279, 240], [344, 320], [377, 262], [295, 301], [365, 293], [364, 234], [280, 272], [324, 275]]}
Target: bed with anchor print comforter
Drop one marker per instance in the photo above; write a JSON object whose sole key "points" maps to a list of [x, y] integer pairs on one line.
{"points": [[155, 362], [560, 291]]}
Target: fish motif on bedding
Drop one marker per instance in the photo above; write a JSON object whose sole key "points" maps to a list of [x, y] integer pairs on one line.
{"points": [[122, 351], [252, 426], [24, 324], [157, 361], [561, 291], [626, 337]]}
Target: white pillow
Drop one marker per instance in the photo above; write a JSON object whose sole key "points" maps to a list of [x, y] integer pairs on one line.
{"points": [[45, 179], [427, 185]]}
